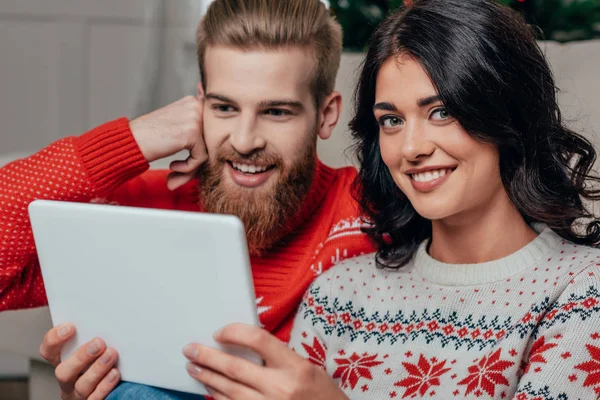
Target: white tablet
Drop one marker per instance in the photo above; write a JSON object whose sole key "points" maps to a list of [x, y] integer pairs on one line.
{"points": [[146, 281]]}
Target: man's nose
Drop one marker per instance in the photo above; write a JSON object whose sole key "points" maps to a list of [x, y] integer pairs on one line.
{"points": [[247, 138]]}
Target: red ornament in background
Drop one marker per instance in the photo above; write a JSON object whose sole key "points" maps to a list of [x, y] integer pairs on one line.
{"points": [[408, 3]]}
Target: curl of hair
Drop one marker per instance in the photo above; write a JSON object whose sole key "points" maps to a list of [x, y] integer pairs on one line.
{"points": [[493, 78]]}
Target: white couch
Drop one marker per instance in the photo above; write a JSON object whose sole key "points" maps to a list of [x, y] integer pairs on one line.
{"points": [[576, 67]]}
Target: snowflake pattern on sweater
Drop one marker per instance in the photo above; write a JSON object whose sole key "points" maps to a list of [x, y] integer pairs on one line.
{"points": [[524, 327]]}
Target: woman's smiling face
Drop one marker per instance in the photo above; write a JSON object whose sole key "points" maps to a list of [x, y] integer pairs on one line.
{"points": [[440, 168]]}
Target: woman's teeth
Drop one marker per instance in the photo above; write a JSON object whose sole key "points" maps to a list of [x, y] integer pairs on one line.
{"points": [[249, 169], [430, 175]]}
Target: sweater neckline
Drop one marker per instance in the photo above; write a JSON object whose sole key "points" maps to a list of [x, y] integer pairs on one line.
{"points": [[488, 272]]}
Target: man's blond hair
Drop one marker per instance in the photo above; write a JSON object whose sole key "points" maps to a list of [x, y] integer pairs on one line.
{"points": [[272, 25]]}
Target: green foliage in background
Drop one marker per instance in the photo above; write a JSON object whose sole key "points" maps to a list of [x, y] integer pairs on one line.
{"points": [[561, 20]]}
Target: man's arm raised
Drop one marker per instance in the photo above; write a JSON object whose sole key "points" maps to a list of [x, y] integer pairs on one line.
{"points": [[80, 169]]}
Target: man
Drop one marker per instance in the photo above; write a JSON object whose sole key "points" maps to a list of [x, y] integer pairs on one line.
{"points": [[268, 70]]}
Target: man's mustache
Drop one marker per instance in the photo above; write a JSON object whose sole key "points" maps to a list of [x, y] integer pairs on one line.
{"points": [[260, 157]]}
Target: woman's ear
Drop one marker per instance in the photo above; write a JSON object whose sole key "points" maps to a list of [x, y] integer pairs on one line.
{"points": [[329, 114]]}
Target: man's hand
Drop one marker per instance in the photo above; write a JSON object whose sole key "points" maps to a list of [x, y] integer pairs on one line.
{"points": [[171, 129], [286, 376], [99, 379]]}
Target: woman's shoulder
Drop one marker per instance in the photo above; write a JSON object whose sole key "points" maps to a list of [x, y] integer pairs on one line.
{"points": [[573, 258], [577, 267]]}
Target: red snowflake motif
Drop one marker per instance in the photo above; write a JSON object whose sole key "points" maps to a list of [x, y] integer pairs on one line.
{"points": [[316, 352], [569, 306], [536, 353], [432, 326], [590, 302], [422, 376], [487, 374], [551, 314], [351, 369], [345, 317], [448, 329], [592, 367]]}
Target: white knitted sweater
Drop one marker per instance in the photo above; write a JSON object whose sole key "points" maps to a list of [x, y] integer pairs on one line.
{"points": [[526, 326]]}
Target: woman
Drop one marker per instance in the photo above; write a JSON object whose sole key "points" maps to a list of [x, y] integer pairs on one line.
{"points": [[486, 283]]}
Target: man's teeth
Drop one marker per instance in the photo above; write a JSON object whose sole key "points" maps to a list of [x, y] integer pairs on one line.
{"points": [[249, 169], [430, 175]]}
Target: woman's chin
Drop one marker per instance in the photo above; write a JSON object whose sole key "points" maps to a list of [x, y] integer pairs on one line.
{"points": [[434, 213]]}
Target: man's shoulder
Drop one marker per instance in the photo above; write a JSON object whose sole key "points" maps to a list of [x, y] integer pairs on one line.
{"points": [[347, 173], [343, 179]]}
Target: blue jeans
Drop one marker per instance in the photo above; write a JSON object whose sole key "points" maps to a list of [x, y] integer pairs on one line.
{"points": [[134, 391]]}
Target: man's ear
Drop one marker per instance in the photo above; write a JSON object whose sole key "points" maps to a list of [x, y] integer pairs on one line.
{"points": [[200, 90], [329, 114]]}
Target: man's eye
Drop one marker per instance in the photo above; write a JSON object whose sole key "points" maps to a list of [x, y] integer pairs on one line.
{"points": [[277, 112], [223, 108]]}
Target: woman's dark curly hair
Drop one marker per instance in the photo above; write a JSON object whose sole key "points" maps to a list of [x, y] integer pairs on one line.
{"points": [[494, 80]]}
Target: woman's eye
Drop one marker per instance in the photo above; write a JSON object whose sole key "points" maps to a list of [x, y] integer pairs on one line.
{"points": [[390, 122], [440, 114]]}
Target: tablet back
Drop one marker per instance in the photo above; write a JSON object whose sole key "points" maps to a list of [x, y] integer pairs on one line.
{"points": [[146, 281]]}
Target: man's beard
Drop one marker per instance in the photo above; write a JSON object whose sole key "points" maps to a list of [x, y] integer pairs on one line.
{"points": [[265, 212]]}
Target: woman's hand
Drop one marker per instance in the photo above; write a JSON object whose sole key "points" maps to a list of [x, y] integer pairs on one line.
{"points": [[286, 375]]}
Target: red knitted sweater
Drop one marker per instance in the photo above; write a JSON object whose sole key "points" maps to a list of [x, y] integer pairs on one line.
{"points": [[106, 165]]}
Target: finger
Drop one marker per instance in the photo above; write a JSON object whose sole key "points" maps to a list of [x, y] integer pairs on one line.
{"points": [[88, 382], [198, 154], [272, 350], [222, 384], [235, 368], [190, 164], [216, 395], [176, 179], [54, 341], [107, 385], [68, 371]]}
